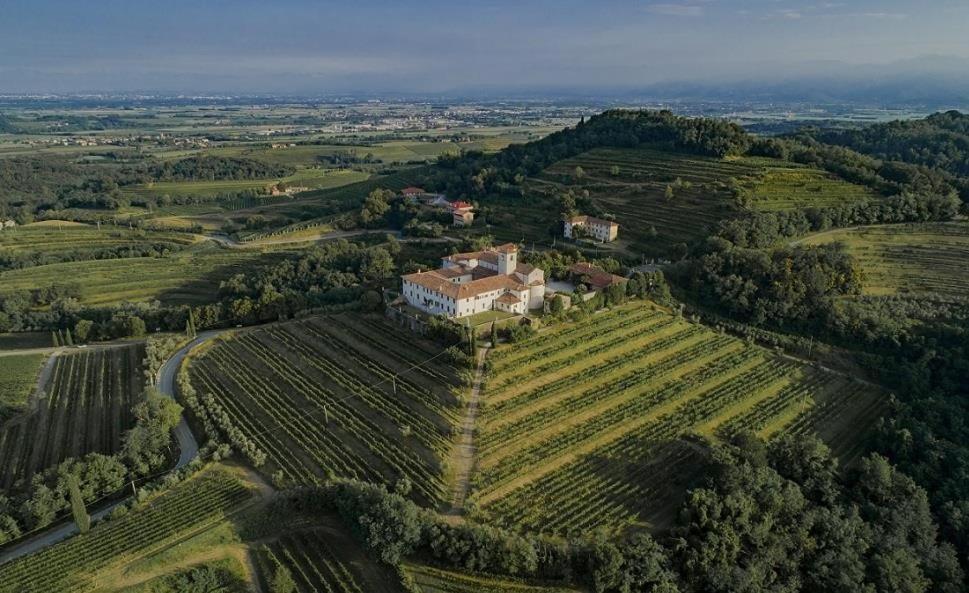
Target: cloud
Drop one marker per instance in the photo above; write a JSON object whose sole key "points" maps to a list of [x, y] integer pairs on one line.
{"points": [[676, 9]]}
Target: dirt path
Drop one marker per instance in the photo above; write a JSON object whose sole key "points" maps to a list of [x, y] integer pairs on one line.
{"points": [[462, 460]]}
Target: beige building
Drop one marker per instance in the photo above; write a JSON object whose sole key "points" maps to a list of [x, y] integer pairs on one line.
{"points": [[588, 226], [474, 282], [462, 213]]}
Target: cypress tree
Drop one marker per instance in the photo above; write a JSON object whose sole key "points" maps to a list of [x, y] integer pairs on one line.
{"points": [[68, 339], [81, 517], [53, 338]]}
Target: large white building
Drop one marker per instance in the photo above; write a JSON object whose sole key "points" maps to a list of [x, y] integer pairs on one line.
{"points": [[469, 283], [589, 226]]}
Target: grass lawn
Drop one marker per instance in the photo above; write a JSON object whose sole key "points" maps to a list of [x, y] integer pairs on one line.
{"points": [[485, 317]]}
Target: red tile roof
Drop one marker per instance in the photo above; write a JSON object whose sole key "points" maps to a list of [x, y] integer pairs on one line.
{"points": [[412, 191]]}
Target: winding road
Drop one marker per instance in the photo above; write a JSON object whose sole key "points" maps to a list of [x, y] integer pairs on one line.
{"points": [[187, 445]]}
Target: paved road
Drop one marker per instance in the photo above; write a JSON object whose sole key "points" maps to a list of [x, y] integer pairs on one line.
{"points": [[187, 445], [165, 382]]}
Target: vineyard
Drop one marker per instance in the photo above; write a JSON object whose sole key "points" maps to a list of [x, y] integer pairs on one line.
{"points": [[86, 409], [321, 561], [18, 377], [336, 397], [631, 184], [908, 258], [434, 580], [595, 424], [789, 187], [70, 565]]}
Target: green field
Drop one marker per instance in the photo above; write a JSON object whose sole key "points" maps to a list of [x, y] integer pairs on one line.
{"points": [[18, 378], [51, 242], [86, 409], [914, 259], [790, 187], [434, 580], [24, 340], [73, 565], [190, 276], [595, 424], [310, 178], [337, 397]]}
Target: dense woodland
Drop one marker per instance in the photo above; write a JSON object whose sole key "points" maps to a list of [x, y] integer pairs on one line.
{"points": [[31, 186], [940, 142]]}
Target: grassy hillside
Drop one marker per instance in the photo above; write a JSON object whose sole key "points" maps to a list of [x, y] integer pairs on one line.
{"points": [[588, 425], [910, 258], [189, 276], [337, 396], [52, 242]]}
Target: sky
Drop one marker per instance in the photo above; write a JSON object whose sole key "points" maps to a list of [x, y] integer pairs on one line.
{"points": [[432, 46]]}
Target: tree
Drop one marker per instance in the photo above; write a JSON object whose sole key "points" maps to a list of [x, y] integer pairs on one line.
{"points": [[669, 194], [146, 444], [82, 329], [375, 206], [377, 265], [614, 171], [282, 581], [135, 326], [55, 339], [68, 340], [557, 305], [81, 517], [578, 173]]}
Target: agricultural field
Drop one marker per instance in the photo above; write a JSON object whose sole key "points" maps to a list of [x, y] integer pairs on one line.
{"points": [[312, 178], [796, 186], [323, 561], [75, 564], [910, 259], [631, 183], [434, 580], [25, 340], [52, 243], [18, 378], [600, 424], [337, 396], [186, 277], [85, 408]]}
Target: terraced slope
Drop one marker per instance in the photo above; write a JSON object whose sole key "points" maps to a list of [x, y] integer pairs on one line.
{"points": [[588, 425], [631, 183], [931, 258]]}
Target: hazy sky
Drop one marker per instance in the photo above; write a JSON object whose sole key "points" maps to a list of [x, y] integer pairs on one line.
{"points": [[293, 46]]}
